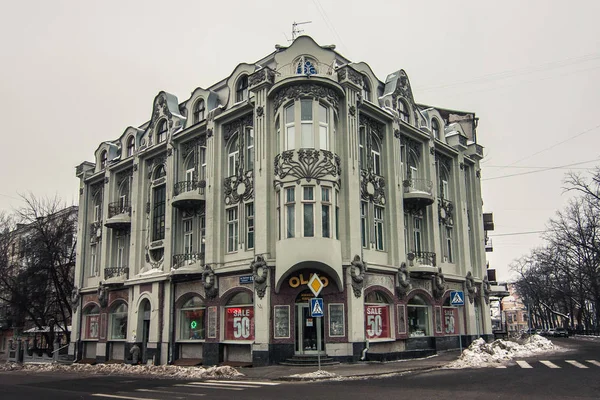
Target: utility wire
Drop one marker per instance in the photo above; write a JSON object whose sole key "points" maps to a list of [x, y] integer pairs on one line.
{"points": [[516, 233], [330, 25], [539, 170]]}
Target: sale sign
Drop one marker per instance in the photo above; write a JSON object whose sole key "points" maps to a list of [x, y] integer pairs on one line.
{"points": [[239, 323], [377, 321], [450, 321]]}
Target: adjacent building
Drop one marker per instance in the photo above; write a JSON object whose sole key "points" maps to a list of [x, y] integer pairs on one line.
{"points": [[200, 229]]}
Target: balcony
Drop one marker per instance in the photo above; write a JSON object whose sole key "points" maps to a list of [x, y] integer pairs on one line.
{"points": [[457, 140], [189, 194], [474, 151], [119, 215], [417, 193], [116, 275], [185, 262], [306, 68], [422, 261]]}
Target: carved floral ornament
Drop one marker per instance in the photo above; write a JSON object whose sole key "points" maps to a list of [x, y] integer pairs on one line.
{"points": [[239, 187], [372, 186], [306, 90], [357, 273], [265, 74], [445, 212], [403, 278], [470, 285], [210, 282], [438, 283], [403, 90], [348, 73], [260, 272], [310, 164]]}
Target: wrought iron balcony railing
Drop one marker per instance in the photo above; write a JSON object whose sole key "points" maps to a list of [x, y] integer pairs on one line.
{"points": [[113, 272], [117, 208], [188, 186], [426, 258], [181, 260], [418, 185], [305, 68]]}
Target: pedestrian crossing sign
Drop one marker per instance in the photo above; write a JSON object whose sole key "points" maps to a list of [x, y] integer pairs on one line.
{"points": [[457, 298], [316, 307]]}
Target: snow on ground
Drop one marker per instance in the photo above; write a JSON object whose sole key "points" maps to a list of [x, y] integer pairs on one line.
{"points": [[160, 371], [319, 374], [481, 354]]}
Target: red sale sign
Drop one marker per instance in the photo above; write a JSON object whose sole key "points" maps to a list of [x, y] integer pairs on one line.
{"points": [[450, 321], [239, 323], [377, 322]]}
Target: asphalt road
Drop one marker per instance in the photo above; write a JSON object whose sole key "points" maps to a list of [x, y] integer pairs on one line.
{"points": [[564, 375]]}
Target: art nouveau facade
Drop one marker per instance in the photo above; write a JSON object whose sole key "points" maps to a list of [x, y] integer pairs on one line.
{"points": [[200, 229]]}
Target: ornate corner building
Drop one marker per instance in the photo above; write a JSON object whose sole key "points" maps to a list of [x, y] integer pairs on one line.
{"points": [[200, 229]]}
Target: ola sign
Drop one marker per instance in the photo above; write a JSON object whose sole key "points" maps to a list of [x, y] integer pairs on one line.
{"points": [[304, 278]]}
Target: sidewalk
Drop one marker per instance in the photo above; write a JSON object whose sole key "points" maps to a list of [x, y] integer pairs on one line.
{"points": [[359, 369]]}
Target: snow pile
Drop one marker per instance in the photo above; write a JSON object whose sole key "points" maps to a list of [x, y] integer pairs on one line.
{"points": [[481, 354], [161, 371], [320, 374]]}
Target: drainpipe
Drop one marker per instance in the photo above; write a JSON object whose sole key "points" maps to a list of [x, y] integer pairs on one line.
{"points": [[172, 314], [364, 352]]}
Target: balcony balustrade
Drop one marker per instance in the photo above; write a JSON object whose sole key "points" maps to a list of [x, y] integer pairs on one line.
{"points": [[119, 215], [115, 272], [417, 193], [422, 261], [312, 68], [189, 194], [187, 259]]}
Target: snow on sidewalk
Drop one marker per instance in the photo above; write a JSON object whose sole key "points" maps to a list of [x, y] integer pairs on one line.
{"points": [[481, 354], [159, 371]]}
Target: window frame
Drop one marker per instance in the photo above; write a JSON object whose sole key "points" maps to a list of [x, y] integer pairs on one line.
{"points": [[161, 134], [180, 316], [130, 144], [187, 225], [233, 156], [232, 229], [308, 230], [378, 223], [249, 211], [403, 111], [435, 128], [326, 216], [290, 212], [241, 89], [199, 111], [364, 224]]}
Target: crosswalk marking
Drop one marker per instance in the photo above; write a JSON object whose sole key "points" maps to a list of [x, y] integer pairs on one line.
{"points": [[209, 387], [594, 362], [248, 382], [169, 392], [549, 364], [577, 364], [115, 396], [524, 364], [502, 366], [223, 384]]}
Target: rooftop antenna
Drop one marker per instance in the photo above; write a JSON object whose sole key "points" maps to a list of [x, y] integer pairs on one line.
{"points": [[296, 31]]}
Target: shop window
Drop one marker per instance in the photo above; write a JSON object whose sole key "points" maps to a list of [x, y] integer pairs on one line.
{"points": [[418, 317], [118, 322], [239, 317], [192, 319], [91, 318], [377, 316]]}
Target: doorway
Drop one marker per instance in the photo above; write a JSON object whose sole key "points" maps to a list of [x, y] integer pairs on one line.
{"points": [[145, 310], [308, 339]]}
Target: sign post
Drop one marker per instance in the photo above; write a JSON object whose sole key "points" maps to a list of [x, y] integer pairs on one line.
{"points": [[457, 299], [316, 309]]}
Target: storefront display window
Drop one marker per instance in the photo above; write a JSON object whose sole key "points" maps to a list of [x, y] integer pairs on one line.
{"points": [[336, 320], [92, 322], [377, 316], [450, 318], [418, 317], [239, 317], [281, 328], [191, 320], [118, 322]]}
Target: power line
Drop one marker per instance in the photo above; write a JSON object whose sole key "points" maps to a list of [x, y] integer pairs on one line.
{"points": [[329, 24], [540, 170], [521, 167], [516, 233]]}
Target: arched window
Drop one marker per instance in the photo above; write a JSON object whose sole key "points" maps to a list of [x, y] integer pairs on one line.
{"points": [[118, 322], [233, 156], [91, 322], [124, 196], [403, 111], [376, 154], [444, 183], [199, 111], [192, 320], [239, 317], [377, 316], [160, 171], [130, 145], [418, 317], [158, 209], [305, 66], [241, 89], [161, 131], [366, 89], [103, 159], [435, 128]]}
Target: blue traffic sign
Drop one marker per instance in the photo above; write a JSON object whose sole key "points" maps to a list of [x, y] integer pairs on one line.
{"points": [[457, 298], [316, 307]]}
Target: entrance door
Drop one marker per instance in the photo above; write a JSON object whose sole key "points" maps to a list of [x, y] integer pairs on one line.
{"points": [[307, 327]]}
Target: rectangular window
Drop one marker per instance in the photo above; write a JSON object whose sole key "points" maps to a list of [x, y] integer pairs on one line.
{"points": [[378, 219], [93, 260], [97, 212], [406, 248], [290, 130], [158, 215], [336, 320], [376, 162], [281, 322], [414, 173], [417, 222], [188, 236], [202, 233], [449, 254], [189, 178], [120, 252], [326, 214], [362, 138], [364, 213], [232, 229], [306, 120], [250, 226], [308, 215], [323, 128], [278, 131], [250, 148], [202, 163], [277, 201], [290, 212], [337, 214], [444, 193], [233, 163]]}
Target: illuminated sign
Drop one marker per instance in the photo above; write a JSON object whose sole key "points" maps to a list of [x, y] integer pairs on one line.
{"points": [[304, 278]]}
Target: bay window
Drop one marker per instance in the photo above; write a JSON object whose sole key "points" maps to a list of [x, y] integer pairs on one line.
{"points": [[313, 125], [308, 199], [326, 211], [290, 212], [306, 122]]}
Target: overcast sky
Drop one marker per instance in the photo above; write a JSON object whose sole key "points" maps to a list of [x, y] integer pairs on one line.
{"points": [[75, 73]]}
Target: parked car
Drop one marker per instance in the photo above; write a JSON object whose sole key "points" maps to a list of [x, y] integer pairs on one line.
{"points": [[561, 332], [550, 332]]}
